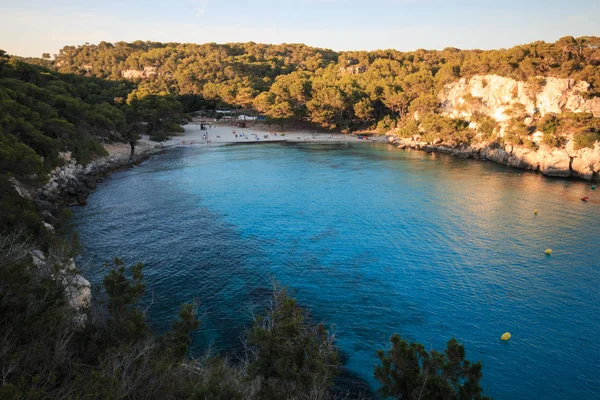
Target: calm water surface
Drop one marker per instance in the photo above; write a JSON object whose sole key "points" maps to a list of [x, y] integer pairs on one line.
{"points": [[375, 241]]}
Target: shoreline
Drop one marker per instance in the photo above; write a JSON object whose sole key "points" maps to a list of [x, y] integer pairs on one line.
{"points": [[218, 133], [71, 184], [556, 163]]}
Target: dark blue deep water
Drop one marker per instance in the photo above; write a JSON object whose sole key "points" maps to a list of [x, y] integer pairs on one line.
{"points": [[373, 240]]}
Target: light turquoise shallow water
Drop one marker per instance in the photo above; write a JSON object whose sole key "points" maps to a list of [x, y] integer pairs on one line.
{"points": [[375, 241]]}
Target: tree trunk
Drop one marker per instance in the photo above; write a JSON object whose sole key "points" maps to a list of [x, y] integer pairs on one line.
{"points": [[132, 144]]}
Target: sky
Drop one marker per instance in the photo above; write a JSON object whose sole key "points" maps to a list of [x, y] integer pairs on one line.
{"points": [[32, 27]]}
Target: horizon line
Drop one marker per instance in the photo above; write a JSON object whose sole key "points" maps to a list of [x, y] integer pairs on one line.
{"points": [[307, 45]]}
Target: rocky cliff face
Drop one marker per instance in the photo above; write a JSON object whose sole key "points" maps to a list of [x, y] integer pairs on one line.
{"points": [[495, 96], [70, 184], [147, 72]]}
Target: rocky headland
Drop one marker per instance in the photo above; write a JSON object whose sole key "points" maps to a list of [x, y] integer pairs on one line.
{"points": [[495, 96], [565, 163], [71, 183]]}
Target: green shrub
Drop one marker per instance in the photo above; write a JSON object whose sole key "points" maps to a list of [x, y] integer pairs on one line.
{"points": [[586, 138], [408, 128], [386, 124], [17, 213], [409, 371], [486, 126], [292, 355], [448, 129], [17, 158]]}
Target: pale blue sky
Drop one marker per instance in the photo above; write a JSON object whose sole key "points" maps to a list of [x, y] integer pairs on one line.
{"points": [[30, 27]]}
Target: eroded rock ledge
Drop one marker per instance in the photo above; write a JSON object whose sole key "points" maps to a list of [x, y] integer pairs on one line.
{"points": [[71, 184], [559, 162]]}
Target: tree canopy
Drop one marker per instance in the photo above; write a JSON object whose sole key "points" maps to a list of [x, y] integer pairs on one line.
{"points": [[294, 82], [44, 112], [409, 372]]}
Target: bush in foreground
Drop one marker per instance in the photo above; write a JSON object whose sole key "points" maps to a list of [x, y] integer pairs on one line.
{"points": [[409, 371]]}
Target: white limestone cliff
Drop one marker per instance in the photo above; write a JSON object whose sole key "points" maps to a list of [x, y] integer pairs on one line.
{"points": [[495, 96]]}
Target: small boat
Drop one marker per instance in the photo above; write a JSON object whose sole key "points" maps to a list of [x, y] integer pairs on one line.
{"points": [[585, 198]]}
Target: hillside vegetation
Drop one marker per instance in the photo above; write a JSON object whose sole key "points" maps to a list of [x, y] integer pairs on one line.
{"points": [[345, 90], [44, 113]]}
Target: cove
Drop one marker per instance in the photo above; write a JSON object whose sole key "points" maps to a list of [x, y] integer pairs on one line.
{"points": [[374, 241]]}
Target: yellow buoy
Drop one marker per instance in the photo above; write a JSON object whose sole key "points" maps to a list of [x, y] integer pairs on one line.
{"points": [[535, 211], [548, 252], [505, 336]]}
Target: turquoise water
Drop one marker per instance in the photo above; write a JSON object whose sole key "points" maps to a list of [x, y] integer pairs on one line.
{"points": [[374, 241]]}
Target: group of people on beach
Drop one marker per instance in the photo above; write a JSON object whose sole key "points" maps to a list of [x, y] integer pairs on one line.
{"points": [[241, 135], [245, 135]]}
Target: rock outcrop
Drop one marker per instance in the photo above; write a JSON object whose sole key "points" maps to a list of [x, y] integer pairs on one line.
{"points": [[77, 289], [565, 163], [71, 184], [147, 72], [495, 96]]}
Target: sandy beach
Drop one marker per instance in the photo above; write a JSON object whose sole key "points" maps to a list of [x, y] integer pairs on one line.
{"points": [[222, 134]]}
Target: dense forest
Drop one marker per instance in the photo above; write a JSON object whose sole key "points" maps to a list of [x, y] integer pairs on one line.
{"points": [[346, 90]]}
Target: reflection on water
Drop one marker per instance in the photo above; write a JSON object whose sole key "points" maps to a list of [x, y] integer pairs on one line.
{"points": [[375, 241]]}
